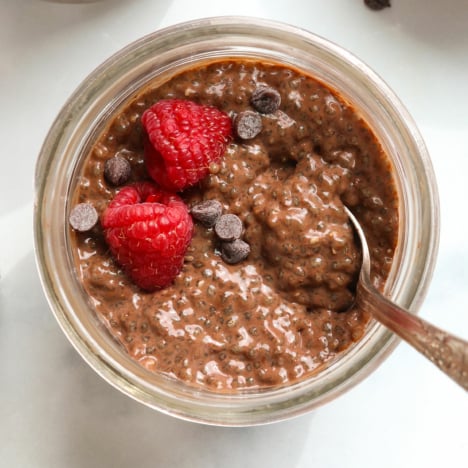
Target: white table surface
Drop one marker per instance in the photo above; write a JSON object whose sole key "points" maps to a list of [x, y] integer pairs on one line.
{"points": [[56, 412]]}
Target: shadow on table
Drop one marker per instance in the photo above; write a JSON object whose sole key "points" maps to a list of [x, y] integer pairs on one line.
{"points": [[31, 19], [441, 23], [76, 419]]}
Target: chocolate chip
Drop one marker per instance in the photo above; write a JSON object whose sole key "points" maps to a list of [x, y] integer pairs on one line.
{"points": [[207, 212], [248, 124], [117, 170], [377, 4], [83, 217], [235, 251], [265, 99], [228, 227]]}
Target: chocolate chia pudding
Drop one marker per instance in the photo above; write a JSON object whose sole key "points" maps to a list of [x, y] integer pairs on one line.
{"points": [[286, 310]]}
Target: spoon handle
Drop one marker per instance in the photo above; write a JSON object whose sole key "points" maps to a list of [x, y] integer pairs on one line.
{"points": [[449, 353]]}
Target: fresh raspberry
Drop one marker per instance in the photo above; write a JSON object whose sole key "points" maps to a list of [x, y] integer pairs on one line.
{"points": [[184, 139], [148, 231]]}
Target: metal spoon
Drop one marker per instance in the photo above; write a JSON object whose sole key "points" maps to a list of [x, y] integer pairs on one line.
{"points": [[447, 352]]}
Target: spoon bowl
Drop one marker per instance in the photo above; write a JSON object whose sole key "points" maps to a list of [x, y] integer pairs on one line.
{"points": [[448, 352]]}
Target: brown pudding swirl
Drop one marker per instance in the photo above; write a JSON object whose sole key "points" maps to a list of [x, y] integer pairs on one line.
{"points": [[286, 311]]}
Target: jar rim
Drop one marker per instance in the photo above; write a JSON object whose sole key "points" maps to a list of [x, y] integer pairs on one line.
{"points": [[127, 70]]}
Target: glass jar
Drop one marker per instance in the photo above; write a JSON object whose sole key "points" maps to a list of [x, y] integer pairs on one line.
{"points": [[155, 57]]}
